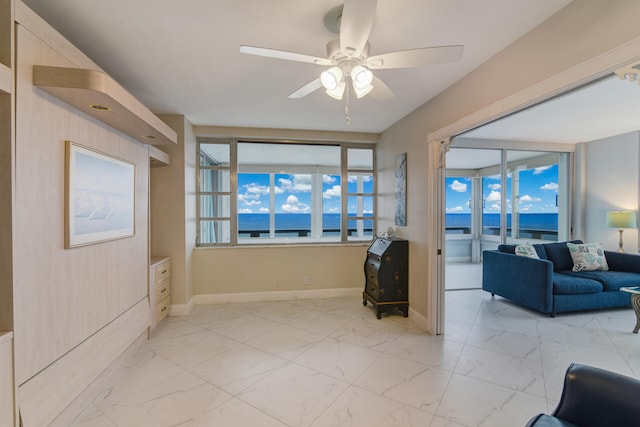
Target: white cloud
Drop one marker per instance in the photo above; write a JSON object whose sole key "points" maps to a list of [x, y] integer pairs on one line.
{"points": [[528, 198], [525, 208], [298, 183], [252, 202], [334, 191], [264, 210], [494, 196], [245, 210], [550, 186], [538, 171], [458, 186], [294, 205], [455, 210], [494, 187], [328, 179], [256, 189], [495, 207]]}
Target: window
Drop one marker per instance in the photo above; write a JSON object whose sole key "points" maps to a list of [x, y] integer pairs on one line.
{"points": [[263, 192]]}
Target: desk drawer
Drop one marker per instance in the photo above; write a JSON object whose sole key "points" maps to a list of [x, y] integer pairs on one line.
{"points": [[163, 289], [162, 309], [163, 271]]}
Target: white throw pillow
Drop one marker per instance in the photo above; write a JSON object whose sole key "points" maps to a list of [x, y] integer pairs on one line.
{"points": [[526, 249], [588, 256]]}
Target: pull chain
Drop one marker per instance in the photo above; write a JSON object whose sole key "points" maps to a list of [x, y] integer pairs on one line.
{"points": [[346, 105]]}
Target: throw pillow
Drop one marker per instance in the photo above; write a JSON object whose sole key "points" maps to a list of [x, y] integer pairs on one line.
{"points": [[587, 256], [526, 249]]}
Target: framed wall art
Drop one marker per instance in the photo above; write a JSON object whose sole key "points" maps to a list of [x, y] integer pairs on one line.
{"points": [[401, 189], [100, 196]]}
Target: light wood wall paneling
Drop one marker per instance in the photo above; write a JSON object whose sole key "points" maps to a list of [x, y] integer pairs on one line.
{"points": [[43, 397], [64, 296]]}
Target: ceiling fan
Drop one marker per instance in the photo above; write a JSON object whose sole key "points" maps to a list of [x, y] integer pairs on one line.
{"points": [[348, 56]]}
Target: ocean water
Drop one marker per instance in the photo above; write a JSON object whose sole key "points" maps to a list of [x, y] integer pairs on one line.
{"points": [[530, 221]]}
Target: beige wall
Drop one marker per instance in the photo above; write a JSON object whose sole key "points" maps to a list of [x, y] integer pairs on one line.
{"points": [[583, 30], [277, 268], [173, 208]]}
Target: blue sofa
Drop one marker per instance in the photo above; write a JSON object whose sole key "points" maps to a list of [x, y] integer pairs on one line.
{"points": [[550, 286]]}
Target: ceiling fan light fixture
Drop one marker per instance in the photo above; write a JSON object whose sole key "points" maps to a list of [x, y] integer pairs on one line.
{"points": [[331, 78], [338, 91], [361, 78]]}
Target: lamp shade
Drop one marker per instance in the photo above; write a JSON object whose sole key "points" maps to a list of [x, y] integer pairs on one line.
{"points": [[622, 219], [331, 78]]}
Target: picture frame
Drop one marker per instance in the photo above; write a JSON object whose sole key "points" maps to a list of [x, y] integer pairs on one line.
{"points": [[99, 196], [401, 189]]}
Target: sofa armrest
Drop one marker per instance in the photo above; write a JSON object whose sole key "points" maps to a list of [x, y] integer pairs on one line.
{"points": [[620, 261], [526, 281], [596, 397]]}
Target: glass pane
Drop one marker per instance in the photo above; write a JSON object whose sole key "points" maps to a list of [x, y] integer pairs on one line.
{"points": [[215, 232], [214, 154], [295, 157], [535, 187], [215, 180], [360, 183], [215, 206], [491, 203], [360, 205], [360, 228], [292, 205], [253, 205], [331, 197], [360, 158], [458, 205]]}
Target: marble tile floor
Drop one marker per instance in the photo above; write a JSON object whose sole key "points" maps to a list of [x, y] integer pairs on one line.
{"points": [[330, 362]]}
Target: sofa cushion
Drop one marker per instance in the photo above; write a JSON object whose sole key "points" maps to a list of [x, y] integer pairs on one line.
{"points": [[610, 280], [568, 285], [588, 256], [558, 254], [526, 249], [511, 249]]}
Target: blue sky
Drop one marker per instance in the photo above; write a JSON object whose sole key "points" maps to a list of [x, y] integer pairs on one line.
{"points": [[538, 190], [293, 193]]}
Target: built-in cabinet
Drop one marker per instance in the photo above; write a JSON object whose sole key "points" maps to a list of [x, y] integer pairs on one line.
{"points": [[159, 289]]}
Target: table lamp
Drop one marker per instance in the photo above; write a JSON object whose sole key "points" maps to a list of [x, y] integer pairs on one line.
{"points": [[621, 220]]}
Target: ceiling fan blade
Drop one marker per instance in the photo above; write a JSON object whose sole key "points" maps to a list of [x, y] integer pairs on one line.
{"points": [[416, 57], [355, 26], [381, 92], [305, 90], [283, 54]]}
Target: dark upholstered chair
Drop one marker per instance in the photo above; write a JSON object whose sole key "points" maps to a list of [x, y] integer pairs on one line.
{"points": [[593, 397]]}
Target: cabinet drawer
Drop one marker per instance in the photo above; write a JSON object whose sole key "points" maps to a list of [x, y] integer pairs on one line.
{"points": [[162, 308], [163, 271], [163, 289]]}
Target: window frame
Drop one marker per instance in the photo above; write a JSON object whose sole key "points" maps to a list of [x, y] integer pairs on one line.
{"points": [[233, 168]]}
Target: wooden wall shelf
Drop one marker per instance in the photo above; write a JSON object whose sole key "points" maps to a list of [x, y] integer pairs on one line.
{"points": [[5, 78], [158, 157], [98, 95]]}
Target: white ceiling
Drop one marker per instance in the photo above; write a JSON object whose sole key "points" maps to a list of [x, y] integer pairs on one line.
{"points": [[606, 108], [183, 56]]}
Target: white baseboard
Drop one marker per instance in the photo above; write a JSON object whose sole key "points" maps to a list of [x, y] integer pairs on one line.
{"points": [[274, 296], [420, 321], [182, 309]]}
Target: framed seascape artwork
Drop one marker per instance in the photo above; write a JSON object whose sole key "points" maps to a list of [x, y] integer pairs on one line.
{"points": [[100, 196], [401, 189]]}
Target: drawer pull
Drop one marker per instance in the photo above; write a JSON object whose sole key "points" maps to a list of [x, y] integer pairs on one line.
{"points": [[164, 271], [163, 290], [163, 309]]}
